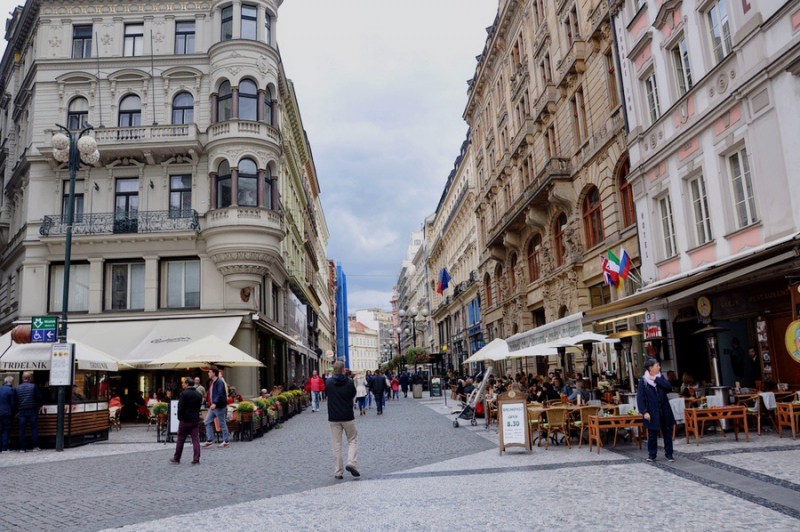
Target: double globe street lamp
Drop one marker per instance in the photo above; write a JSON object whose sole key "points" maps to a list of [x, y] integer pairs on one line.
{"points": [[73, 149], [412, 324]]}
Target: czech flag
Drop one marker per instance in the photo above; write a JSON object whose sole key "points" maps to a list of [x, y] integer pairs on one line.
{"points": [[624, 264], [444, 281], [610, 273]]}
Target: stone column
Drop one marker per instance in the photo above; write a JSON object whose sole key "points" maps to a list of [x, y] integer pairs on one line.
{"points": [[150, 284], [275, 194], [200, 33], [96, 285], [261, 95], [260, 30], [213, 200], [234, 187], [262, 174], [214, 107], [235, 100], [147, 44]]}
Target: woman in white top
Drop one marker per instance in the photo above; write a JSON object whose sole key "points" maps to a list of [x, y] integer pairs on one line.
{"points": [[361, 394]]}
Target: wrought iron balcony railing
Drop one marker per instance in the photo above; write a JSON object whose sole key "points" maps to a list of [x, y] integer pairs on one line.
{"points": [[108, 223]]}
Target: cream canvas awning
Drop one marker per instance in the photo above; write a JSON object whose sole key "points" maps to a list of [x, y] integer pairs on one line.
{"points": [[549, 332], [35, 357], [139, 342], [204, 352]]}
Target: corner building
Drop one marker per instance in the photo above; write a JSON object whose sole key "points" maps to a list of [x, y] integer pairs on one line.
{"points": [[548, 138], [179, 227]]}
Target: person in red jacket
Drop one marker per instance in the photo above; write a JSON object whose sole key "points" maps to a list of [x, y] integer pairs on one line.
{"points": [[315, 385]]}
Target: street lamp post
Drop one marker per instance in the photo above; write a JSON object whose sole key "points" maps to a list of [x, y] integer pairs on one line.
{"points": [[71, 149]]}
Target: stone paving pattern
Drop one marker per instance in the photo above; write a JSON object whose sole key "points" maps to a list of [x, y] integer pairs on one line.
{"points": [[418, 473]]}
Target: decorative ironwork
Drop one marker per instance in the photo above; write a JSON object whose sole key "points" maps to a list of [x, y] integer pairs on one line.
{"points": [[108, 223]]}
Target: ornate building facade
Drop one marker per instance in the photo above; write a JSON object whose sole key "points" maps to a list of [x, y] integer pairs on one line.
{"points": [[180, 225], [548, 136]]}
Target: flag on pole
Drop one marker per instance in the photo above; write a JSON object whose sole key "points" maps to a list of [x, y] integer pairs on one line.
{"points": [[610, 273], [624, 264], [444, 281]]}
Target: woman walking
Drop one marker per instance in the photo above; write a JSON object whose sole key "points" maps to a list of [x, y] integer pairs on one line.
{"points": [[654, 406], [395, 389], [368, 380], [361, 394]]}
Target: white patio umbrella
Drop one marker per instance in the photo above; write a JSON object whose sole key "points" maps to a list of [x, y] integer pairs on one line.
{"points": [[205, 352], [496, 348], [36, 356], [587, 340]]}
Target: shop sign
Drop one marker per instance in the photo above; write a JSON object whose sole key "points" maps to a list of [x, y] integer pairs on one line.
{"points": [[652, 330], [62, 362], [43, 329], [704, 309], [25, 365], [655, 316]]}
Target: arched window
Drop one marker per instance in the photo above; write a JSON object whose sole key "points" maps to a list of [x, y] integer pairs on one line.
{"points": [[248, 100], [223, 185], [558, 239], [487, 282], [593, 218], [268, 189], [563, 312], [512, 273], [78, 113], [183, 108], [224, 102], [498, 279], [533, 257], [248, 183], [626, 196], [268, 118], [130, 111]]}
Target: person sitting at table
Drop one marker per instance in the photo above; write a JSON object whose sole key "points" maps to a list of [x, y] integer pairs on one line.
{"points": [[115, 401], [673, 380], [580, 392], [562, 388], [153, 400], [688, 384], [468, 388], [233, 397]]}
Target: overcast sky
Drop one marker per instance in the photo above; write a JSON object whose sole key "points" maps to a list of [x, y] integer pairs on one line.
{"points": [[382, 88]]}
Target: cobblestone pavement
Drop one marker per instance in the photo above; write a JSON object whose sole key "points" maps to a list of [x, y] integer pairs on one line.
{"points": [[418, 473]]}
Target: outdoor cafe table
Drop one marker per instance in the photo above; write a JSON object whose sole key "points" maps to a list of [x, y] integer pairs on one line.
{"points": [[696, 418], [598, 423]]}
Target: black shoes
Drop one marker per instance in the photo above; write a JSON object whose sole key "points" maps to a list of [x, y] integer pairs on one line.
{"points": [[670, 459], [339, 477], [195, 462], [174, 461], [353, 471]]}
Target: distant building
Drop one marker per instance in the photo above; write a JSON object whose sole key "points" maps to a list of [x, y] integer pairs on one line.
{"points": [[363, 344], [381, 321]]}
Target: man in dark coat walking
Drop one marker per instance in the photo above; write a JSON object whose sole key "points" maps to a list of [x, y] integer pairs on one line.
{"points": [[654, 406], [404, 383], [189, 405], [29, 401], [341, 392], [378, 387]]}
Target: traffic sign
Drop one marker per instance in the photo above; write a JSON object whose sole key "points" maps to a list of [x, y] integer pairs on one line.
{"points": [[43, 329]]}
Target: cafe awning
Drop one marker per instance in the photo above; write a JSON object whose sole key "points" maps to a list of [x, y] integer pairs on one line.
{"points": [[205, 352], [35, 357], [497, 349], [138, 342], [549, 332]]}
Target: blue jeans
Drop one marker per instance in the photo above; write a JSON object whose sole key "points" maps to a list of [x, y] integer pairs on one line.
{"points": [[5, 431], [369, 399], [396, 394], [218, 413], [361, 403], [315, 397], [25, 417], [380, 402]]}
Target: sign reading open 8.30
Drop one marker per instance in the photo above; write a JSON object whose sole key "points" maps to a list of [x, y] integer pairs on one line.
{"points": [[62, 361]]}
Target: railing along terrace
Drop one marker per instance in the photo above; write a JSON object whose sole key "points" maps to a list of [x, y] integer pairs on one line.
{"points": [[108, 223]]}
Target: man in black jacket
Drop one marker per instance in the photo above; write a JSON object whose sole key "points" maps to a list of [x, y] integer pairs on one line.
{"points": [[29, 401], [189, 405], [378, 387], [341, 392]]}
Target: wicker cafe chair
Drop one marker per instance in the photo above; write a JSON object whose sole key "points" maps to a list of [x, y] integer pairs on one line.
{"points": [[557, 422], [152, 419], [580, 421], [757, 410]]}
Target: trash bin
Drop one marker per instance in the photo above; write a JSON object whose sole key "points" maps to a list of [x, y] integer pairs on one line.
{"points": [[417, 390], [725, 393]]}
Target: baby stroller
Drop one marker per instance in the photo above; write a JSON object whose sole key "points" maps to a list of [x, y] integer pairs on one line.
{"points": [[470, 408]]}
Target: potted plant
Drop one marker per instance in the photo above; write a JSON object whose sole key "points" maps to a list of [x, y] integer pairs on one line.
{"points": [[245, 411], [162, 411]]}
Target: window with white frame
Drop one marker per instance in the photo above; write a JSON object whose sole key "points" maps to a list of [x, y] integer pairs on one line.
{"points": [[667, 227], [226, 27], [78, 287], [82, 42], [134, 40], [184, 37], [742, 186], [719, 29], [126, 282], [683, 74], [651, 92], [702, 221], [182, 287]]}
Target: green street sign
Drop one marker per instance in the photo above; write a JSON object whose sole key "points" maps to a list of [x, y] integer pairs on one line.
{"points": [[43, 329]]}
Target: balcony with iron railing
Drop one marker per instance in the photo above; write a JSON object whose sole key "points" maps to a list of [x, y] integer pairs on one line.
{"points": [[110, 223]]}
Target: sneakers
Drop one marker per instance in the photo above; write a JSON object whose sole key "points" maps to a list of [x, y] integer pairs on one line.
{"points": [[207, 444], [36, 449], [670, 459], [650, 459], [353, 471], [223, 445]]}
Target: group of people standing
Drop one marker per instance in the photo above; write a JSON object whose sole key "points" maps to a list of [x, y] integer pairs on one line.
{"points": [[25, 400]]}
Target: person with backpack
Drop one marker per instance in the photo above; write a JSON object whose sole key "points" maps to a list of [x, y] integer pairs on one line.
{"points": [[218, 406]]}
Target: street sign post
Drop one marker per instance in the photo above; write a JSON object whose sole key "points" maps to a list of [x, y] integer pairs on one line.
{"points": [[43, 329]]}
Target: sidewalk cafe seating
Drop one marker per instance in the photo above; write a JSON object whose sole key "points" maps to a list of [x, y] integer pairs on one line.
{"points": [[678, 406], [695, 417], [582, 422], [600, 423], [788, 416], [534, 424], [152, 419], [757, 410], [557, 422]]}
